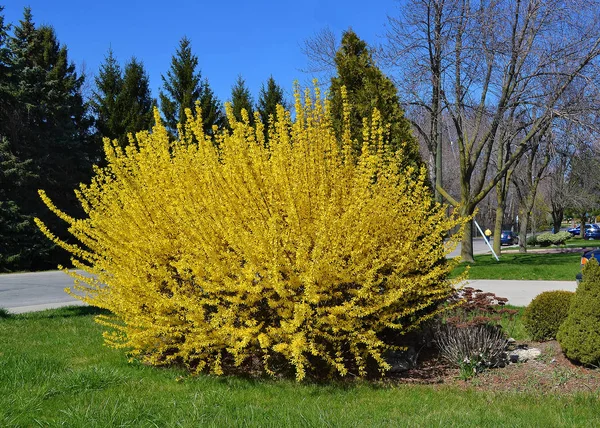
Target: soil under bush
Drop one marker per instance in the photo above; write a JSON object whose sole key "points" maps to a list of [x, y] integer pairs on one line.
{"points": [[551, 372]]}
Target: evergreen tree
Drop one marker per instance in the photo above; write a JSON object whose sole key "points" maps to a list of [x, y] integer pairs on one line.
{"points": [[4, 69], [182, 85], [212, 110], [122, 102], [20, 239], [45, 141], [241, 99], [367, 87], [109, 84], [268, 100], [134, 101]]}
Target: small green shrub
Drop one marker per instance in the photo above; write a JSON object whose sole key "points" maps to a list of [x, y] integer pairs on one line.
{"points": [[579, 335], [532, 241], [544, 239], [560, 238], [546, 313]]}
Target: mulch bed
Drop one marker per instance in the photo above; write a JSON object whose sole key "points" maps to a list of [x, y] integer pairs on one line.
{"points": [[550, 373]]}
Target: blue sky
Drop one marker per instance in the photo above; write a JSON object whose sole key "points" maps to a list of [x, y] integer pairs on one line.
{"points": [[255, 39]]}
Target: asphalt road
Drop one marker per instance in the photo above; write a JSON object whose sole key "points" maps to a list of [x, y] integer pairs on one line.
{"points": [[35, 291], [28, 292], [479, 247]]}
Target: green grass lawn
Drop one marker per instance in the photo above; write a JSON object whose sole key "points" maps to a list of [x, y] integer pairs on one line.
{"points": [[529, 266], [54, 371]]}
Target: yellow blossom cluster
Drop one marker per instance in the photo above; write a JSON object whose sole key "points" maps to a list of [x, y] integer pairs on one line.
{"points": [[212, 251]]}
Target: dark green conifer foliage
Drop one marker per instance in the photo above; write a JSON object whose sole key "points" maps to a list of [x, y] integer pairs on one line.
{"points": [[268, 100], [241, 99], [579, 335], [367, 87], [109, 84], [182, 85], [134, 101], [212, 110], [122, 102], [44, 128]]}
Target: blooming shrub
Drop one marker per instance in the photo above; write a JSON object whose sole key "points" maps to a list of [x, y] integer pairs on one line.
{"points": [[214, 252]]}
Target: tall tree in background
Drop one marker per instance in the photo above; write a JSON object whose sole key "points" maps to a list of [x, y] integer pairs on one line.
{"points": [[501, 61], [182, 85], [212, 110], [241, 99], [45, 140], [122, 101], [268, 99], [134, 101], [367, 88], [109, 84]]}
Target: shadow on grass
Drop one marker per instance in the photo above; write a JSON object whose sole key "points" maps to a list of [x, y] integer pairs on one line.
{"points": [[65, 312], [526, 260]]}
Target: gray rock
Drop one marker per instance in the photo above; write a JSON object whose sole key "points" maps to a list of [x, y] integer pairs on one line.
{"points": [[522, 355]]}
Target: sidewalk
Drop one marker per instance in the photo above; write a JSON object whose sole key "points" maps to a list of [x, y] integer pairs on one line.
{"points": [[519, 293]]}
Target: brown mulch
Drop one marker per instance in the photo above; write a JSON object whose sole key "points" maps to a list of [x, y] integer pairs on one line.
{"points": [[551, 373]]}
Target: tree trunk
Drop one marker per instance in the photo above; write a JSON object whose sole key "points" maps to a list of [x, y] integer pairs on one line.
{"points": [[498, 228], [523, 223], [557, 218], [582, 227], [466, 249]]}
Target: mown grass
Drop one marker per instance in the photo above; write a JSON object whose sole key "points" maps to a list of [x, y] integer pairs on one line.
{"points": [[529, 266], [54, 371]]}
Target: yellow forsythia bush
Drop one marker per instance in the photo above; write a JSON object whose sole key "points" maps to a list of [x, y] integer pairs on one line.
{"points": [[214, 252]]}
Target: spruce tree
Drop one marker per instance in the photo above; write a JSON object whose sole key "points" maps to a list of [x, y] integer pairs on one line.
{"points": [[212, 110], [46, 138], [241, 99], [109, 84], [182, 85], [367, 87], [134, 101], [268, 100]]}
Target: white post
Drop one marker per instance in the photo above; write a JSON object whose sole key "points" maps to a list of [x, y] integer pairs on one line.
{"points": [[487, 241]]}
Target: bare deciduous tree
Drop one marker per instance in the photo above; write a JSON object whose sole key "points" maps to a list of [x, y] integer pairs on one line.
{"points": [[501, 62]]}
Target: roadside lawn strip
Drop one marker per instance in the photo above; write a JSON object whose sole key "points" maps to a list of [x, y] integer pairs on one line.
{"points": [[534, 265], [55, 371]]}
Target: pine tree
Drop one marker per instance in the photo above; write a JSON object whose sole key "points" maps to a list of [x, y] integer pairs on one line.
{"points": [[241, 99], [367, 87], [268, 100], [182, 85], [109, 84], [134, 101]]}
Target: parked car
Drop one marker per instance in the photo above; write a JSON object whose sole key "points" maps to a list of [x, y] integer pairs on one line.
{"points": [[592, 232], [576, 230], [586, 258], [507, 237]]}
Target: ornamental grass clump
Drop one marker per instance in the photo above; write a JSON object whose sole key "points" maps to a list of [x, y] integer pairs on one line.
{"points": [[223, 252]]}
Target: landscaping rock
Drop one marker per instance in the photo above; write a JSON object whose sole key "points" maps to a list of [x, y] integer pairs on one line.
{"points": [[522, 355]]}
